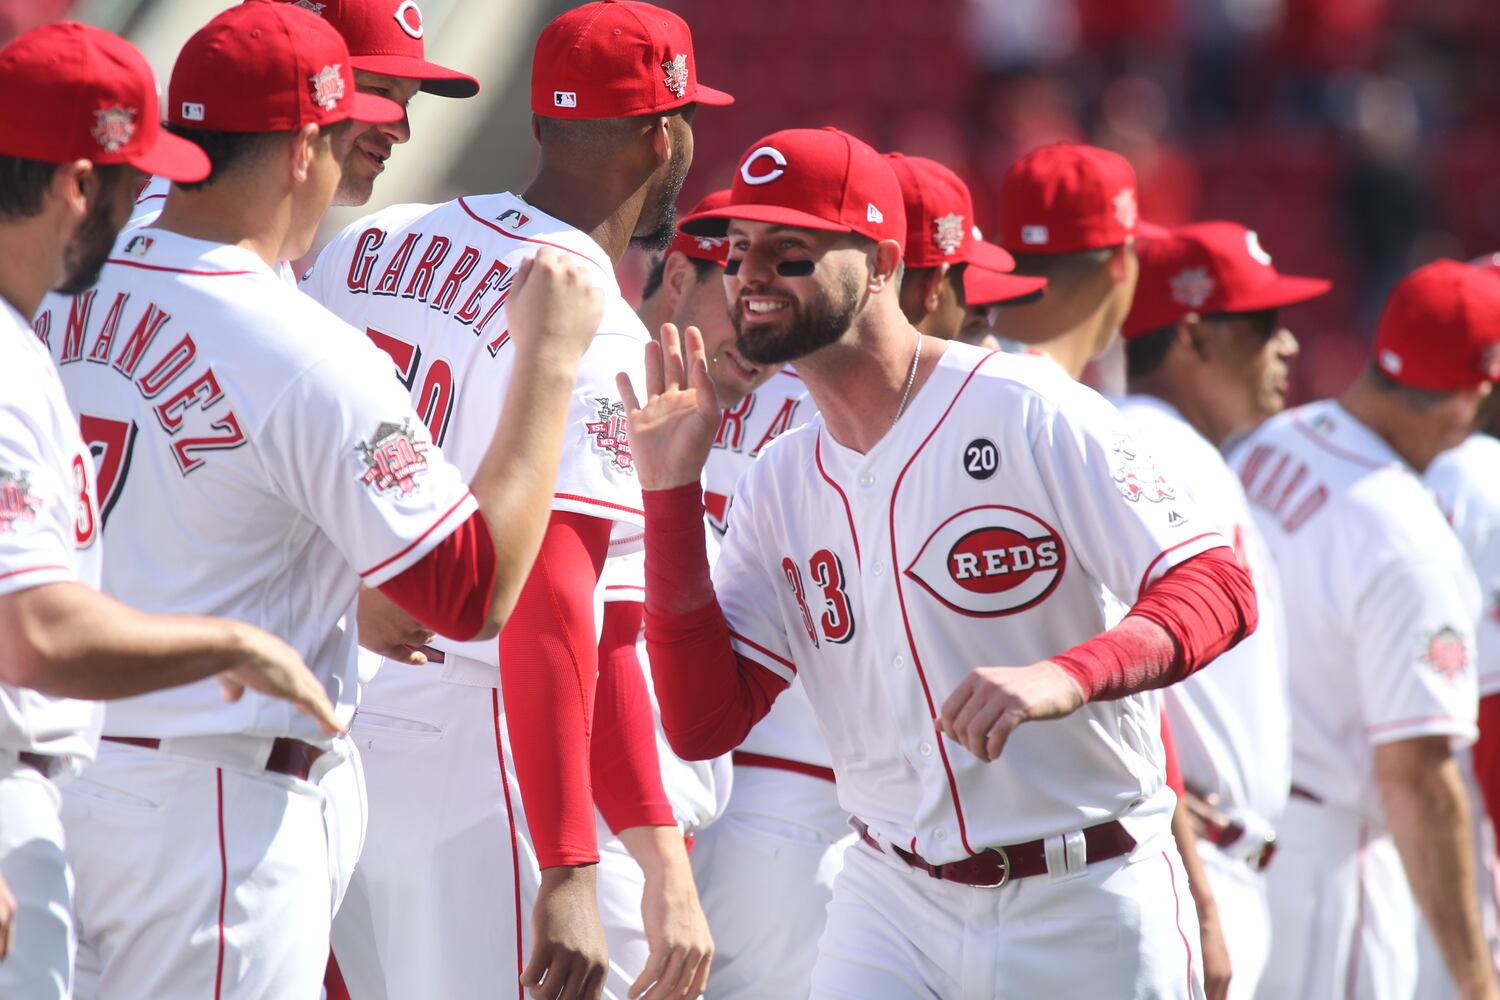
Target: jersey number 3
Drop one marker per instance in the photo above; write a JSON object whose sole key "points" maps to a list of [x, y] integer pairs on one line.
{"points": [[836, 622]]}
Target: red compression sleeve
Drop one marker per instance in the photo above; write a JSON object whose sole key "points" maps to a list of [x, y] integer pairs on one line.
{"points": [[709, 695], [1169, 755], [449, 589], [549, 668], [1195, 611], [1486, 754], [623, 762]]}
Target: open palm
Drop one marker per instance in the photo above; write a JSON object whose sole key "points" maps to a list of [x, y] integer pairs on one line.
{"points": [[671, 435]]}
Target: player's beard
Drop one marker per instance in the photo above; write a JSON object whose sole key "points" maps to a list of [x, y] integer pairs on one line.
{"points": [[666, 205], [89, 248], [803, 329]]}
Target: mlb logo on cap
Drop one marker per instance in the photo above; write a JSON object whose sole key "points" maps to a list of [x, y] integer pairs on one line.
{"points": [[1441, 328], [564, 99], [1065, 198]]}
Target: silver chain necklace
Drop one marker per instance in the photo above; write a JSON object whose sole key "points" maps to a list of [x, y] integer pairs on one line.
{"points": [[911, 379]]}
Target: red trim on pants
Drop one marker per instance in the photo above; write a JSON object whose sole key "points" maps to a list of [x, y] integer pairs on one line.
{"points": [[334, 987], [1351, 973], [515, 850], [223, 882], [1177, 902]]}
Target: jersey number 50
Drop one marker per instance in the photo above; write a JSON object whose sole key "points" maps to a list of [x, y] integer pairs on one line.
{"points": [[434, 403]]}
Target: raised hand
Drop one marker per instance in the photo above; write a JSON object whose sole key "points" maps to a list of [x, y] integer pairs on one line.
{"points": [[554, 306], [672, 434], [985, 709], [273, 668]]}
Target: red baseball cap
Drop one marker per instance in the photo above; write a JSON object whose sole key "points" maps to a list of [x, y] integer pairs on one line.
{"points": [[1209, 267], [813, 179], [714, 249], [940, 229], [1441, 328], [75, 92], [268, 67], [616, 59], [385, 37], [1067, 197]]}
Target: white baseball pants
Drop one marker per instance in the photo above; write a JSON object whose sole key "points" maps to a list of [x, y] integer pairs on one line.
{"points": [[1245, 915], [40, 964]]}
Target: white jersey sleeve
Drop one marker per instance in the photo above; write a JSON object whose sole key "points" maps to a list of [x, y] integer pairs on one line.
{"points": [[1128, 524], [1467, 483], [343, 445], [750, 590], [42, 508], [1414, 644]]}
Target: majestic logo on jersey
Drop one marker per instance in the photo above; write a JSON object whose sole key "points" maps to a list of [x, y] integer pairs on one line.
{"points": [[1192, 286], [948, 233], [409, 16], [1135, 474], [990, 561], [513, 218], [1126, 211], [1447, 654], [114, 128], [609, 432], [17, 502], [327, 87], [393, 459], [677, 74]]}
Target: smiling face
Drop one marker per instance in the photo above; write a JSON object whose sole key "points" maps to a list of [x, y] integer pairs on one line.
{"points": [[703, 305], [778, 318], [366, 148]]}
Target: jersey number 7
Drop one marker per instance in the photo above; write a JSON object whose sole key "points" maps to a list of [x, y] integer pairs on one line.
{"points": [[111, 443]]}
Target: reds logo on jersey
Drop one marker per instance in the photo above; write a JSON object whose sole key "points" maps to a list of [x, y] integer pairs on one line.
{"points": [[393, 459], [1135, 474], [609, 432], [17, 503], [327, 87], [1447, 654], [990, 561], [114, 128]]}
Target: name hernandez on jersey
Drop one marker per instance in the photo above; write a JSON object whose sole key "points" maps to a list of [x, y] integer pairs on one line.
{"points": [[254, 462], [1380, 602], [1006, 517], [49, 529], [1231, 723], [427, 284]]}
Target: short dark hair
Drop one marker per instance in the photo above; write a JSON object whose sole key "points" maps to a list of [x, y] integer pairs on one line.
{"points": [[226, 150], [659, 270], [24, 183], [1063, 267], [1420, 399], [1146, 353]]}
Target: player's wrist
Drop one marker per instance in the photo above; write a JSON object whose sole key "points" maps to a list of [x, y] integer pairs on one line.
{"points": [[561, 877]]}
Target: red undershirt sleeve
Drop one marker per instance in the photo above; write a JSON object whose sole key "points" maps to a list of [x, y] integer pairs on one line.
{"points": [[1486, 754], [623, 762], [1169, 754], [709, 695], [1195, 611], [549, 669], [449, 589]]}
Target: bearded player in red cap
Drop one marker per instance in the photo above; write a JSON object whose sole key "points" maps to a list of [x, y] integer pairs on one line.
{"points": [[614, 91], [1381, 606], [947, 508], [255, 462], [1207, 362], [85, 124]]}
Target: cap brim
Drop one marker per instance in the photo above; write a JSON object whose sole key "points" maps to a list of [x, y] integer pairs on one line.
{"points": [[375, 110], [174, 158], [712, 97], [438, 80], [1150, 231], [716, 221], [1286, 290], [991, 257], [984, 287]]}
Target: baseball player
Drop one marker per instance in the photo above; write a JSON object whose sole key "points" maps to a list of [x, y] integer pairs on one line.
{"points": [[1068, 212], [255, 461], [949, 266], [614, 88], [1380, 609], [1206, 358], [876, 553]]}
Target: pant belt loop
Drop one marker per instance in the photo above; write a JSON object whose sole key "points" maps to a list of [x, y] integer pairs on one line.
{"points": [[1067, 855]]}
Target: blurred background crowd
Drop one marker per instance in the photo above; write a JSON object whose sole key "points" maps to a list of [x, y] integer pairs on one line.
{"points": [[1358, 137]]}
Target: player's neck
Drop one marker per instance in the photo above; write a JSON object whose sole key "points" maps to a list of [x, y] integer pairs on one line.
{"points": [[1392, 422], [32, 264], [1071, 344], [588, 202], [654, 312], [858, 382], [1178, 392], [228, 215]]}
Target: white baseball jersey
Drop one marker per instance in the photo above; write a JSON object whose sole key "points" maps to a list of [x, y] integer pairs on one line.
{"points": [[147, 209], [1380, 602], [49, 528], [428, 284], [254, 460], [1467, 483], [1005, 518], [1230, 722]]}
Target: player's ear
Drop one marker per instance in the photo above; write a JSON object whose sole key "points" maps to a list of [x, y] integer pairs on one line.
{"points": [[932, 290], [661, 138], [677, 276], [302, 151], [536, 129], [1120, 260], [1192, 334], [885, 263], [73, 185]]}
